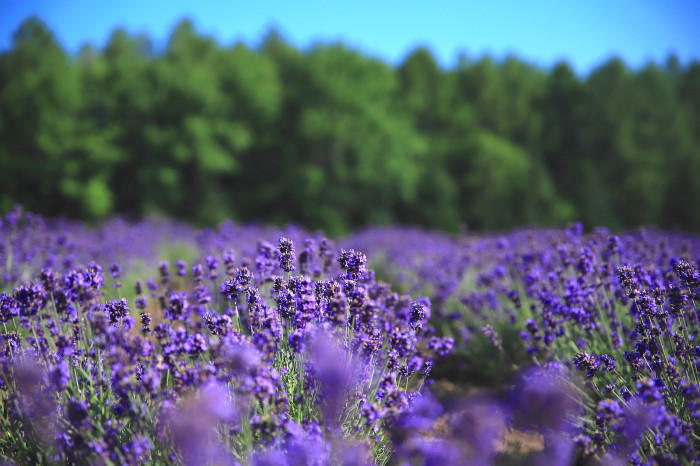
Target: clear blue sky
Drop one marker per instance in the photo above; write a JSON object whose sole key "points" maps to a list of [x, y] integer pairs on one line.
{"points": [[584, 32]]}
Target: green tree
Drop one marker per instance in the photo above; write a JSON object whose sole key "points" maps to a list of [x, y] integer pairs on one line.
{"points": [[40, 99], [501, 186], [560, 142]]}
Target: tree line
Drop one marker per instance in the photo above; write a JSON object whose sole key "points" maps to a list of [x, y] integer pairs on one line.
{"points": [[332, 138]]}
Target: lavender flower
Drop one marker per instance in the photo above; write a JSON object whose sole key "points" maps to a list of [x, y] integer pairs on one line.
{"points": [[287, 255]]}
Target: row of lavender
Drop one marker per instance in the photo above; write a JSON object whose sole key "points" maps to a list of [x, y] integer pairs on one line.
{"points": [[619, 314], [270, 350], [236, 359]]}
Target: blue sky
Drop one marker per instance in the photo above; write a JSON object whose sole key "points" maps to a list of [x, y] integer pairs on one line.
{"points": [[584, 33]]}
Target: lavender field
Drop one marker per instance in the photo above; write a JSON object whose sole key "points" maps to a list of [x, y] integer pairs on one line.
{"points": [[349, 233], [157, 343]]}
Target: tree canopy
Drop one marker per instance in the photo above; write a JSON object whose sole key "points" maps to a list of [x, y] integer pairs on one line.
{"points": [[332, 138]]}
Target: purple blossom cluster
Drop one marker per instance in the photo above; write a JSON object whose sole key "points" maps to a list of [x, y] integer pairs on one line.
{"points": [[30, 243], [475, 429], [620, 310], [273, 346], [233, 360]]}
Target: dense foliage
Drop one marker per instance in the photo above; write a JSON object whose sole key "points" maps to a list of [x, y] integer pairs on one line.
{"points": [[274, 347], [332, 138]]}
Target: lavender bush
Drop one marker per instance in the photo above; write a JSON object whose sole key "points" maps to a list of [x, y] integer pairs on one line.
{"points": [[257, 345], [620, 312], [232, 360]]}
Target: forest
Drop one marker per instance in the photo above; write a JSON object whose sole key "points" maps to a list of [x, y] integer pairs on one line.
{"points": [[330, 137]]}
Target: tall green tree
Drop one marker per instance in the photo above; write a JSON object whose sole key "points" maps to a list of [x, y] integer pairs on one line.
{"points": [[40, 100]]}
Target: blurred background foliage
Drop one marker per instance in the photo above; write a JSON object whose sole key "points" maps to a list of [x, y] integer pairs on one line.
{"points": [[332, 138]]}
